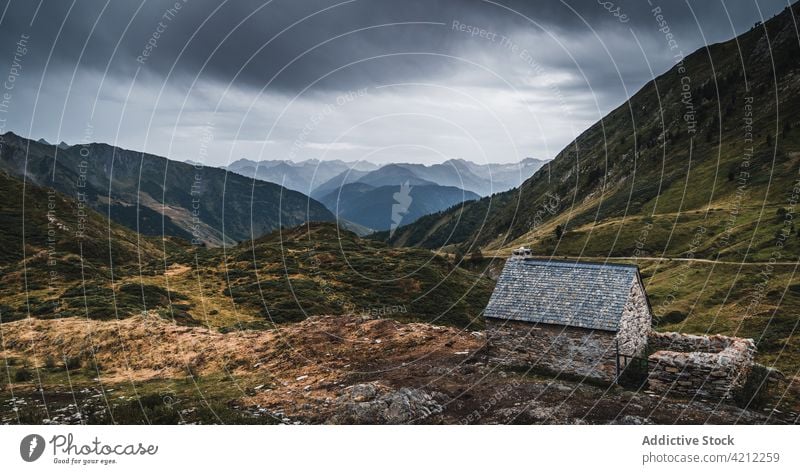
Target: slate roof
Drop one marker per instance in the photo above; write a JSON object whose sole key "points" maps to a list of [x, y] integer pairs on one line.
{"points": [[586, 295]]}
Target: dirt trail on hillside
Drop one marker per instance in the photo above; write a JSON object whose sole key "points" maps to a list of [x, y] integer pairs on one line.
{"points": [[651, 259]]}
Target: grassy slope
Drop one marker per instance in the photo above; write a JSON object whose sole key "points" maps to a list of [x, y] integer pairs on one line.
{"points": [[43, 262], [319, 269], [282, 277]]}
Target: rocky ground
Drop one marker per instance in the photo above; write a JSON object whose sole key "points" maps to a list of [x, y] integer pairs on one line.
{"points": [[341, 369]]}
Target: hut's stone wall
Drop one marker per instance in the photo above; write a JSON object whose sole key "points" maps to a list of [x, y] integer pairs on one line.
{"points": [[705, 366], [561, 349], [635, 323]]}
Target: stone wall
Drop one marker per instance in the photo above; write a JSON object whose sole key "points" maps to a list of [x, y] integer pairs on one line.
{"points": [[571, 350], [635, 323], [705, 366]]}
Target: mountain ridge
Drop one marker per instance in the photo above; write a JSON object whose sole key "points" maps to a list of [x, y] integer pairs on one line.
{"points": [[644, 160], [159, 196]]}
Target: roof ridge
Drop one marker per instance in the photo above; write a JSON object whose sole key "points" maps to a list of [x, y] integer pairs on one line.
{"points": [[565, 263]]}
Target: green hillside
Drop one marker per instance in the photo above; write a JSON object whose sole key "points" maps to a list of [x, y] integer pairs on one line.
{"points": [[157, 196], [664, 164], [110, 272]]}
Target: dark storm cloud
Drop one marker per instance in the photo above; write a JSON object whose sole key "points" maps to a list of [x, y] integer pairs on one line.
{"points": [[580, 60], [227, 37]]}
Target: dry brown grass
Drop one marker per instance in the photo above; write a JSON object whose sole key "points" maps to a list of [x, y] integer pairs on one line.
{"points": [[148, 347]]}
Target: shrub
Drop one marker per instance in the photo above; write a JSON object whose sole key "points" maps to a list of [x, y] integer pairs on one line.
{"points": [[672, 317], [72, 363], [152, 408], [755, 392], [23, 375]]}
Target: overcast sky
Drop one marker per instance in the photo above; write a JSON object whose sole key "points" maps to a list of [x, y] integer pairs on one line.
{"points": [[387, 81]]}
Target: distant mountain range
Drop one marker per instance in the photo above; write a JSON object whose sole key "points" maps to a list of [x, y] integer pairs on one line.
{"points": [[362, 194], [318, 178], [302, 176], [157, 196]]}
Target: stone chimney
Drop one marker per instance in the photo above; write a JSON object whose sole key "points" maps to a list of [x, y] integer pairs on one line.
{"points": [[522, 252]]}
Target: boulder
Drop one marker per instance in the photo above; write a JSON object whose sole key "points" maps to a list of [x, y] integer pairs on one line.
{"points": [[370, 403]]}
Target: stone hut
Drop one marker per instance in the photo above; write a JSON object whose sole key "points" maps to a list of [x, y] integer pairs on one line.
{"points": [[568, 317]]}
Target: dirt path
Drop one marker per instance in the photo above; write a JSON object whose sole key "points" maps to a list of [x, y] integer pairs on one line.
{"points": [[655, 259], [176, 269]]}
